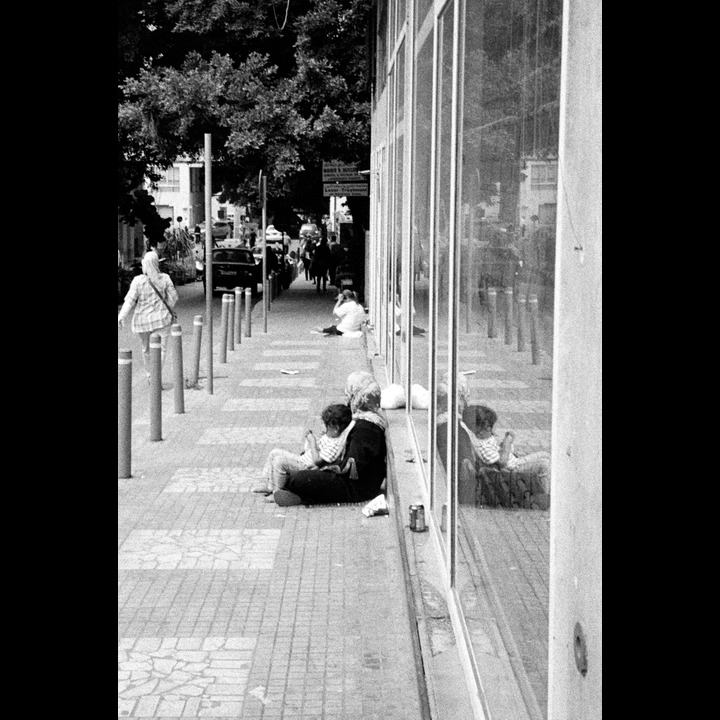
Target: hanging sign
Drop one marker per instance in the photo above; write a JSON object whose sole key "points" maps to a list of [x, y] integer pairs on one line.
{"points": [[359, 189], [340, 172]]}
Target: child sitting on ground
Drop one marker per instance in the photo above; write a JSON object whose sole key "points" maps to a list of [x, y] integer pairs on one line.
{"points": [[502, 455], [318, 453]]}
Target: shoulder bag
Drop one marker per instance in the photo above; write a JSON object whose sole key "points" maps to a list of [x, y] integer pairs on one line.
{"points": [[172, 312]]}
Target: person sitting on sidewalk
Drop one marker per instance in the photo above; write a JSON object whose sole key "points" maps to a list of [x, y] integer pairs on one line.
{"points": [[361, 470], [501, 454], [320, 452], [350, 314]]}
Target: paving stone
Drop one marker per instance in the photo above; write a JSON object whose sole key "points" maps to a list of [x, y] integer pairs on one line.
{"points": [[232, 607]]}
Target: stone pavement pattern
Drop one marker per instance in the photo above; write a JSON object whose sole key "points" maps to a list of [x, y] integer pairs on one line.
{"points": [[231, 607]]}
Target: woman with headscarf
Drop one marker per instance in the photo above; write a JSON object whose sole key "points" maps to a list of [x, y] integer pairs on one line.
{"points": [[463, 433], [361, 471], [153, 296]]}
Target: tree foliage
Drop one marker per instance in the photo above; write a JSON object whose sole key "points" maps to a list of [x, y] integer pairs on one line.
{"points": [[281, 85]]}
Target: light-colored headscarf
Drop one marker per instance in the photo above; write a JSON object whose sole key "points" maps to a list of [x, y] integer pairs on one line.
{"points": [[363, 394], [463, 393], [151, 266]]}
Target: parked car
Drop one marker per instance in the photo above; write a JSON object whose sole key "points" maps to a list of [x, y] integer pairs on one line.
{"points": [[233, 267], [309, 230], [273, 236], [220, 228]]}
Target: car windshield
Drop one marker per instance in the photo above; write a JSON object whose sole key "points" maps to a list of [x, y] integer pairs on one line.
{"points": [[308, 228], [236, 255]]}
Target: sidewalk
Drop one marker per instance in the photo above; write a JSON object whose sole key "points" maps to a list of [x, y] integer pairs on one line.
{"points": [[231, 607]]}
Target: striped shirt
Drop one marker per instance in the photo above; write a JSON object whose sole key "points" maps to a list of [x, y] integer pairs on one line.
{"points": [[150, 311], [329, 449], [489, 451]]}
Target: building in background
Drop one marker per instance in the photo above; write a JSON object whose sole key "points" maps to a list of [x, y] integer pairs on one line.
{"points": [[181, 193], [484, 270], [131, 243]]}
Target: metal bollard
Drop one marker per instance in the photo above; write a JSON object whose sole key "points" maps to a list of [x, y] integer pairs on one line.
{"points": [[222, 358], [266, 303], [238, 316], [248, 311], [155, 387], [508, 316], [197, 342], [231, 322], [521, 312], [124, 412], [534, 329], [178, 374], [492, 312]]}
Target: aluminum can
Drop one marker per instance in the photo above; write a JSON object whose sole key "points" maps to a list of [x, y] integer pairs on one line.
{"points": [[417, 518]]}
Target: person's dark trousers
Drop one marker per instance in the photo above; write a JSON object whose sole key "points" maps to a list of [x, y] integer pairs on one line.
{"points": [[317, 487], [322, 277], [307, 269]]}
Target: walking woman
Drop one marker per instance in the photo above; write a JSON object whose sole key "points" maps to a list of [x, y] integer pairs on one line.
{"points": [[321, 264], [153, 296], [307, 253]]}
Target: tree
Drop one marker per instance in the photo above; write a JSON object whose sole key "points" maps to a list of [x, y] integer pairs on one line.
{"points": [[281, 87]]}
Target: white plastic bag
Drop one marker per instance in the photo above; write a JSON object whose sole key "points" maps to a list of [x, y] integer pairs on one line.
{"points": [[378, 506], [392, 397], [420, 397]]}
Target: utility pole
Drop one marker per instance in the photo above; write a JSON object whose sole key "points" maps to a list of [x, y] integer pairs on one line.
{"points": [[208, 259], [263, 197]]}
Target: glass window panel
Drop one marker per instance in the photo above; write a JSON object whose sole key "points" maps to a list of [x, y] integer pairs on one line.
{"points": [[399, 17], [401, 337], [381, 67], [421, 232], [506, 239], [389, 293], [442, 244], [423, 9]]}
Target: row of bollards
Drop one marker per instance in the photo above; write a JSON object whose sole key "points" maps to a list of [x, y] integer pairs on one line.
{"points": [[230, 335], [525, 306]]}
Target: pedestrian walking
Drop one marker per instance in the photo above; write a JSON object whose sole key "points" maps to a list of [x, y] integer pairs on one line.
{"points": [[336, 253], [307, 253], [152, 295], [321, 265]]}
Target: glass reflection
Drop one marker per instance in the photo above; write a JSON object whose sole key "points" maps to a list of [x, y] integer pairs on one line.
{"points": [[421, 237], [441, 240], [506, 240], [401, 346]]}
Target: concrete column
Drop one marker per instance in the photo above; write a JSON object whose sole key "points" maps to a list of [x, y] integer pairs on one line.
{"points": [[575, 652]]}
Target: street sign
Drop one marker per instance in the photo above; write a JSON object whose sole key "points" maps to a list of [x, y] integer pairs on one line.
{"points": [[340, 172], [359, 189]]}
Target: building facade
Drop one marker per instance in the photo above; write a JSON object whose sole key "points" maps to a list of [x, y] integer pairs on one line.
{"points": [[131, 243], [181, 193], [483, 281]]}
